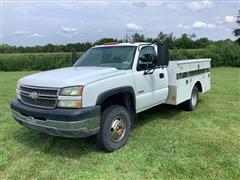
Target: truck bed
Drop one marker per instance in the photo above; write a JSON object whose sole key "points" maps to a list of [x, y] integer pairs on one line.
{"points": [[183, 75]]}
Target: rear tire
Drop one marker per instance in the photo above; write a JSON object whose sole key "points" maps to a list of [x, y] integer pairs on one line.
{"points": [[114, 128], [191, 104]]}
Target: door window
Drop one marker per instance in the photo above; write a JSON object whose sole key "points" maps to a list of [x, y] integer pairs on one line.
{"points": [[147, 58]]}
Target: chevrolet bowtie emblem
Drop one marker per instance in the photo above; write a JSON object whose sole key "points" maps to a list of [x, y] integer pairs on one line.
{"points": [[33, 95]]}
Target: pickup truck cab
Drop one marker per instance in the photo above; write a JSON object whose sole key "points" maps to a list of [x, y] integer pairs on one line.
{"points": [[104, 90]]}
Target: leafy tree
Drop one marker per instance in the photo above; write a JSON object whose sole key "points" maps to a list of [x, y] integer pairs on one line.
{"points": [[149, 39], [48, 48], [202, 43], [161, 38], [105, 40], [185, 41], [166, 39], [237, 30], [138, 37]]}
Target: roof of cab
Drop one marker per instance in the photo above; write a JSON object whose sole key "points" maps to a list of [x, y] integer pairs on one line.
{"points": [[123, 44]]}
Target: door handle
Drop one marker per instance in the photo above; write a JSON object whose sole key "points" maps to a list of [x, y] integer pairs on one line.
{"points": [[161, 75]]}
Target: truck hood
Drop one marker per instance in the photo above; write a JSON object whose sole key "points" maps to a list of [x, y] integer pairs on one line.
{"points": [[71, 76]]}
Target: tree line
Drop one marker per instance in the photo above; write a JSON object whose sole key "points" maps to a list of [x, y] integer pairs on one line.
{"points": [[185, 41]]}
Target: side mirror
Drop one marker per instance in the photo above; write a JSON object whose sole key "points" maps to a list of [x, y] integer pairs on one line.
{"points": [[163, 55], [74, 55]]}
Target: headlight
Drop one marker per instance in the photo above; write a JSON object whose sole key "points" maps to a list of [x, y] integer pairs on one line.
{"points": [[70, 104], [72, 91], [18, 85]]}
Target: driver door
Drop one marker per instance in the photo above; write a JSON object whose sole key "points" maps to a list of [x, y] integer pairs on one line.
{"points": [[145, 84], [151, 86]]}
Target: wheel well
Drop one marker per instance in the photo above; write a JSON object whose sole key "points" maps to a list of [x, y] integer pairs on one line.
{"points": [[199, 86], [123, 99]]}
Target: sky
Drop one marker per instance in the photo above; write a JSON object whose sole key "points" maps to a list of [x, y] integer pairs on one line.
{"points": [[32, 22]]}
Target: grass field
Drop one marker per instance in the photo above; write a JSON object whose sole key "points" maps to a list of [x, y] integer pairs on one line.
{"points": [[167, 143]]}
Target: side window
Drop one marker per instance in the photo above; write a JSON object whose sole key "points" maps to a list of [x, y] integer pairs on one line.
{"points": [[147, 58]]}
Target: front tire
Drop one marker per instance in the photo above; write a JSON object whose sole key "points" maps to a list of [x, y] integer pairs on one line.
{"points": [[114, 128], [191, 104]]}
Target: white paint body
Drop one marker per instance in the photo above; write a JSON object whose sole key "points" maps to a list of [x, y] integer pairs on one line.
{"points": [[150, 90], [181, 88]]}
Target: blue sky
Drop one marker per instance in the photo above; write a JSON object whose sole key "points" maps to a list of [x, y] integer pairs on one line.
{"points": [[30, 22]]}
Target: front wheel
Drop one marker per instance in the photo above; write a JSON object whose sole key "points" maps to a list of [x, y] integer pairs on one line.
{"points": [[114, 128], [191, 104]]}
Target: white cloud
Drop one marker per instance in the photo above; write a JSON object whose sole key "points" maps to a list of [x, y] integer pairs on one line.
{"points": [[180, 25], [230, 19], [140, 4], [226, 20], [69, 29], [211, 25], [27, 34], [183, 26], [199, 5], [197, 25], [216, 22], [77, 5], [202, 25], [21, 33], [36, 35], [132, 27]]}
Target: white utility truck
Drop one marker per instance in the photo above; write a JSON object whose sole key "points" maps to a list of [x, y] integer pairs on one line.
{"points": [[105, 89]]}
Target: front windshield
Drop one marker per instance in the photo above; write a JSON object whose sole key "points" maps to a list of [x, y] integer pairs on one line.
{"points": [[120, 57]]}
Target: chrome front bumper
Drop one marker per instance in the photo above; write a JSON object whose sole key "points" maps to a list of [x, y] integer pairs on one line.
{"points": [[81, 125]]}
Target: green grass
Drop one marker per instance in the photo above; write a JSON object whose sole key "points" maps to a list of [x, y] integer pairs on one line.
{"points": [[167, 143]]}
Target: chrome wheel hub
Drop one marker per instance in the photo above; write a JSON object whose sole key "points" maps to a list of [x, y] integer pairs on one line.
{"points": [[118, 129]]}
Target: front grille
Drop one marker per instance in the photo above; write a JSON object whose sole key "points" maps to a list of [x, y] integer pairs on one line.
{"points": [[39, 97], [44, 92]]}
